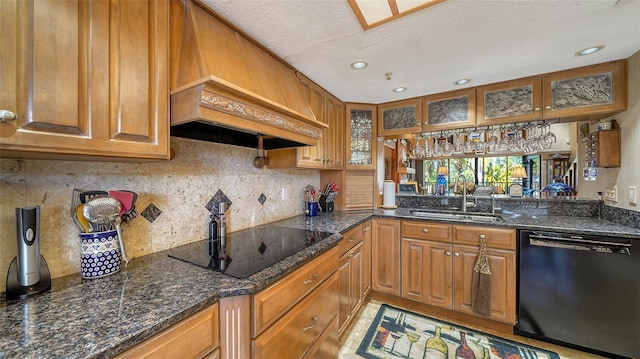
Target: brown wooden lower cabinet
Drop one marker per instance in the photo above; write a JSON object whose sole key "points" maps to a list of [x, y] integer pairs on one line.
{"points": [[293, 335], [438, 272], [194, 337], [503, 279], [427, 272], [327, 346], [385, 254]]}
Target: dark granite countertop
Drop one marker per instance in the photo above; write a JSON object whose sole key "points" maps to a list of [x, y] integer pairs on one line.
{"points": [[103, 317], [536, 219], [100, 318]]}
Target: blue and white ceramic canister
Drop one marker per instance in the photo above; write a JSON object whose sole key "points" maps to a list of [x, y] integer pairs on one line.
{"points": [[100, 254]]}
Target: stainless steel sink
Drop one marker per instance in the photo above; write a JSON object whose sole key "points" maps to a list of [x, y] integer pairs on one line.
{"points": [[459, 216]]}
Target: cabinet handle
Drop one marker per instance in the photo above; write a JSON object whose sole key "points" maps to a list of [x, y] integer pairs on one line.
{"points": [[309, 281], [7, 116], [457, 254], [447, 253], [366, 229], [547, 107], [425, 230], [314, 321], [537, 109], [352, 239]]}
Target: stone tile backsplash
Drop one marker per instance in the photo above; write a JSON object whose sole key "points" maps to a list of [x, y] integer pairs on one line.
{"points": [[173, 203]]}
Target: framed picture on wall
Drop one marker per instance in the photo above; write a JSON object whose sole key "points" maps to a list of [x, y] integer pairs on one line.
{"points": [[408, 187], [583, 131]]}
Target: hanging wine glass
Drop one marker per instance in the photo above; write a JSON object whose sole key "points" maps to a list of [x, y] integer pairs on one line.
{"points": [[428, 149], [492, 142], [458, 147], [418, 151], [469, 145], [480, 147], [503, 144], [447, 146]]}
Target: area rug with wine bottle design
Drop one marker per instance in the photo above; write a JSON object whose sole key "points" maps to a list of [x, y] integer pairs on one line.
{"points": [[396, 333]]}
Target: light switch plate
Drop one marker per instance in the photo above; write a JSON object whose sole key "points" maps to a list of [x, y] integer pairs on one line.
{"points": [[285, 193], [632, 195]]}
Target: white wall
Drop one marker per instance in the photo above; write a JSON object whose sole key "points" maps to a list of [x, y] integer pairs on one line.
{"points": [[628, 174], [180, 188]]}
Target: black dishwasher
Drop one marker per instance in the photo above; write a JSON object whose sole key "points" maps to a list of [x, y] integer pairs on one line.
{"points": [[580, 291]]}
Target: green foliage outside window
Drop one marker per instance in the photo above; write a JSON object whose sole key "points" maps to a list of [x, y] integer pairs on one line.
{"points": [[490, 171]]}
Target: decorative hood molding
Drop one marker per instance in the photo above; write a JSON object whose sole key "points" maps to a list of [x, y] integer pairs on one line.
{"points": [[226, 89]]}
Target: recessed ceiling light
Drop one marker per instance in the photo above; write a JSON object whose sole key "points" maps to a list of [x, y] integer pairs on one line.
{"points": [[359, 65], [589, 50], [399, 89], [462, 82]]}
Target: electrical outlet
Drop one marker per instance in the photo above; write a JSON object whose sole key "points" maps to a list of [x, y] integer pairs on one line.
{"points": [[285, 193], [611, 194], [632, 195]]}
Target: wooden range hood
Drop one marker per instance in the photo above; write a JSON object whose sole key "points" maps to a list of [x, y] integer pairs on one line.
{"points": [[226, 89]]}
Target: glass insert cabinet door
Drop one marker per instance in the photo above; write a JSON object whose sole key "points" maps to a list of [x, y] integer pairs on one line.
{"points": [[399, 117], [594, 89], [447, 110], [509, 101], [361, 137]]}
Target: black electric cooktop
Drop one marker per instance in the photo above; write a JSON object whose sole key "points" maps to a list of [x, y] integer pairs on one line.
{"points": [[248, 251]]}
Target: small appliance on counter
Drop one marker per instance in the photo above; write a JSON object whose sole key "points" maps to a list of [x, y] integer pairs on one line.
{"points": [[28, 272]]}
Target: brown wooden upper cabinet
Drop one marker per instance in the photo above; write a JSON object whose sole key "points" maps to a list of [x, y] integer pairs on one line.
{"points": [[509, 102], [85, 79], [449, 110], [329, 153], [399, 117], [587, 92], [361, 137]]}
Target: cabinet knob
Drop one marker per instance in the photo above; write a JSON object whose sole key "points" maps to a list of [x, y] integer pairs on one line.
{"points": [[537, 109], [366, 229], [352, 239], [314, 321], [457, 254], [309, 281], [547, 107], [7, 116], [447, 253], [425, 230]]}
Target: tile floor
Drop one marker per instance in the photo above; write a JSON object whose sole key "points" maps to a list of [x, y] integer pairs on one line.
{"points": [[356, 331]]}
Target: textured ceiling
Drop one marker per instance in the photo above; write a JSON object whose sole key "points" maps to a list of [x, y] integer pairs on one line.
{"points": [[484, 40]]}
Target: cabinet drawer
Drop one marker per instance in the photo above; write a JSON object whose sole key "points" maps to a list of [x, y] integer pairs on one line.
{"points": [[298, 330], [495, 237], [350, 238], [273, 301], [194, 337], [327, 346], [425, 230]]}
